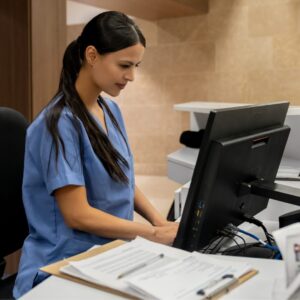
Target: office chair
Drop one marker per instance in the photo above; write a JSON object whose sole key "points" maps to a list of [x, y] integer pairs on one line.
{"points": [[13, 222]]}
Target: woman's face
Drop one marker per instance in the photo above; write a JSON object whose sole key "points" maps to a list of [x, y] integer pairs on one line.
{"points": [[111, 72]]}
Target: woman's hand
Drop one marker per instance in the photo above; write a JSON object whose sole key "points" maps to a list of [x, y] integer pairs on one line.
{"points": [[165, 234]]}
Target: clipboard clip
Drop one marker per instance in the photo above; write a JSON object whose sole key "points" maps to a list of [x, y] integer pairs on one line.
{"points": [[209, 291]]}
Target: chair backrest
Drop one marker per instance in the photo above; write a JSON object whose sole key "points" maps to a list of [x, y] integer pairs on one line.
{"points": [[13, 222]]}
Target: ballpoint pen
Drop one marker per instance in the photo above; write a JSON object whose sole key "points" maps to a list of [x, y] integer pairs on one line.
{"points": [[204, 291], [141, 265]]}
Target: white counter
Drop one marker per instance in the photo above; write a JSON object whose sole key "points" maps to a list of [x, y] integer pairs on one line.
{"points": [[181, 163]]}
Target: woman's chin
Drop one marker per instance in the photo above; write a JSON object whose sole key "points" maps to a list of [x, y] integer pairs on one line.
{"points": [[113, 93]]}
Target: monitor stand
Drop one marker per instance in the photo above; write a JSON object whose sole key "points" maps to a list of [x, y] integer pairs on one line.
{"points": [[250, 250]]}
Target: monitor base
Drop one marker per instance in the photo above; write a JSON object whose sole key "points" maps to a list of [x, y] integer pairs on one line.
{"points": [[250, 250]]}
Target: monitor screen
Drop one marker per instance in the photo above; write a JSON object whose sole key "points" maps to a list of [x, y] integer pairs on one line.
{"points": [[240, 145]]}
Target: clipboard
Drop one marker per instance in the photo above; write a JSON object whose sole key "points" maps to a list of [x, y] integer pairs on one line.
{"points": [[54, 269]]}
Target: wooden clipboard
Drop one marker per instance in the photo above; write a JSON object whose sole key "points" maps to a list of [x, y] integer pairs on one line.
{"points": [[54, 269]]}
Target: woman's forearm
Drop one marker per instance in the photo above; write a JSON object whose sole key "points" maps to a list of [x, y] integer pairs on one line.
{"points": [[144, 207]]}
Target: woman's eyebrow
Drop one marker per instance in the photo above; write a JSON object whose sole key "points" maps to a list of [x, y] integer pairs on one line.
{"points": [[130, 62], [127, 62]]}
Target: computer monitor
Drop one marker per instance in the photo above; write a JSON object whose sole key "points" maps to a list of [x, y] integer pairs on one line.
{"points": [[240, 145]]}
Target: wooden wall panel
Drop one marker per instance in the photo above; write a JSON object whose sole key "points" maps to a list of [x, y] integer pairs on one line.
{"points": [[15, 73], [48, 23]]}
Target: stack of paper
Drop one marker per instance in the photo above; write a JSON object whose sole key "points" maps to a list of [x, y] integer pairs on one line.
{"points": [[149, 270]]}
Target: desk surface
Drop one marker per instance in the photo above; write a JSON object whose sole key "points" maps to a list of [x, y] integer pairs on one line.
{"points": [[259, 287]]}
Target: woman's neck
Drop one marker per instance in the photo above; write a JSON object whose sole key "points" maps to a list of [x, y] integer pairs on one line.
{"points": [[86, 89]]}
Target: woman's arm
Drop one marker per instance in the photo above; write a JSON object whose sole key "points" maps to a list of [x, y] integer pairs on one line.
{"points": [[144, 207], [78, 214]]}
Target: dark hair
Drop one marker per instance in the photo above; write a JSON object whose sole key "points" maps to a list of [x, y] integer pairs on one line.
{"points": [[107, 32]]}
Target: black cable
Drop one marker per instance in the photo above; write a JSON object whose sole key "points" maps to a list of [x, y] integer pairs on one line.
{"points": [[266, 233], [257, 222], [217, 246], [232, 250], [243, 240], [222, 234], [206, 248]]}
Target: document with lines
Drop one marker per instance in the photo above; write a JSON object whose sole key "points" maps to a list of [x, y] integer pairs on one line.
{"points": [[149, 270]]}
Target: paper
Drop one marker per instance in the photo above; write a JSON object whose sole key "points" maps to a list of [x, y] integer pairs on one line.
{"points": [[184, 278], [288, 241], [105, 268], [153, 271]]}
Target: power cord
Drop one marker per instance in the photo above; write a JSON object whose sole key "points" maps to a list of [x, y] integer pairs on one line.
{"points": [[274, 248], [257, 222], [266, 245]]}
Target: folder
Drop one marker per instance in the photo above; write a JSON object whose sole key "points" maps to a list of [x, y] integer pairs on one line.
{"points": [[54, 269]]}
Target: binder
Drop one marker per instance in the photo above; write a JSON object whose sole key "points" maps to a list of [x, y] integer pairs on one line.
{"points": [[54, 269]]}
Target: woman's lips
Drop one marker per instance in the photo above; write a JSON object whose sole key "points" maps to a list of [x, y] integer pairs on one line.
{"points": [[121, 86]]}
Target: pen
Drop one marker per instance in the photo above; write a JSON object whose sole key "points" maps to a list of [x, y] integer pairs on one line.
{"points": [[203, 291], [141, 265]]}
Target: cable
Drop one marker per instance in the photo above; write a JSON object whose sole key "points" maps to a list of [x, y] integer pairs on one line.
{"points": [[230, 232], [257, 222], [235, 250], [243, 240], [218, 244], [274, 248], [244, 243], [206, 248], [278, 256], [266, 233]]}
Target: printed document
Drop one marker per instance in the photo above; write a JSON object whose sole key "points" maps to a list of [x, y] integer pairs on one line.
{"points": [[150, 270]]}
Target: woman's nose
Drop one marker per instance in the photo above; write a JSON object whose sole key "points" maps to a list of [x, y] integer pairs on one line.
{"points": [[130, 74]]}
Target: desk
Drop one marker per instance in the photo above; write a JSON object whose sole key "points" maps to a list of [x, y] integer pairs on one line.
{"points": [[258, 287]]}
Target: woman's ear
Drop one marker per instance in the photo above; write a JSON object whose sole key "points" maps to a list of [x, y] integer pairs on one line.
{"points": [[91, 55]]}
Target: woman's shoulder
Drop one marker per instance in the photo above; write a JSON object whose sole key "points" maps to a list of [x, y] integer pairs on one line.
{"points": [[39, 124]]}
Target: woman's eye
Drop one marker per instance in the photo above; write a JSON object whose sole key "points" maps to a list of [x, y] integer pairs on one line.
{"points": [[125, 66]]}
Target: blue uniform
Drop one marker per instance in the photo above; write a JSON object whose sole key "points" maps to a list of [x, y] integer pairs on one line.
{"points": [[50, 239]]}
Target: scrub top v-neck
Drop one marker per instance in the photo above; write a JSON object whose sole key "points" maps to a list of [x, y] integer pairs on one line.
{"points": [[103, 127], [50, 239]]}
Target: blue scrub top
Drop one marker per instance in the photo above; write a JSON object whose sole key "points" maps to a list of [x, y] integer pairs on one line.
{"points": [[50, 239]]}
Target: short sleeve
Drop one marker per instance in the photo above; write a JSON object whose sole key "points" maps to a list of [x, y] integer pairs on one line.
{"points": [[67, 168]]}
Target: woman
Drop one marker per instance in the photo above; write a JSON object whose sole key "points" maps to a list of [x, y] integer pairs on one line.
{"points": [[78, 185]]}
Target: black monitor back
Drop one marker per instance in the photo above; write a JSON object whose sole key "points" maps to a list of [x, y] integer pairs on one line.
{"points": [[227, 125]]}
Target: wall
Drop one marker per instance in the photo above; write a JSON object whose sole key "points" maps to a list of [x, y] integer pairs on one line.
{"points": [[48, 36], [33, 34], [15, 71], [241, 51]]}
